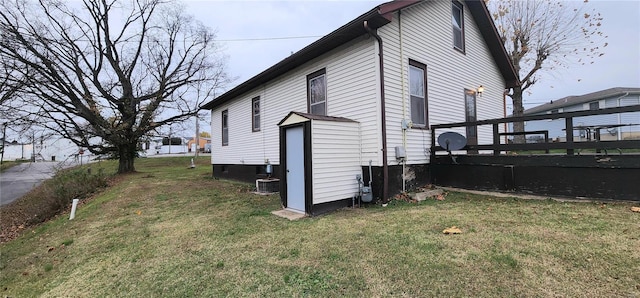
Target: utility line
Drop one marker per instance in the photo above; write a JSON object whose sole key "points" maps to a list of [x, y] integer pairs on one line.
{"points": [[269, 38]]}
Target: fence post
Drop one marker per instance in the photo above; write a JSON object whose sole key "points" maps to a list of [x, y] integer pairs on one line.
{"points": [[496, 139], [546, 141], [569, 134]]}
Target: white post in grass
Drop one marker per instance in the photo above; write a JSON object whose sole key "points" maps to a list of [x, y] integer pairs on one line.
{"points": [[74, 205]]}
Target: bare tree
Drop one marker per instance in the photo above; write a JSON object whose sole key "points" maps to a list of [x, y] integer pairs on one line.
{"points": [[106, 73], [10, 83], [544, 35]]}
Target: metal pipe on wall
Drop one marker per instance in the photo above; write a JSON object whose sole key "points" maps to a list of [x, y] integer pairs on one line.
{"points": [[385, 163]]}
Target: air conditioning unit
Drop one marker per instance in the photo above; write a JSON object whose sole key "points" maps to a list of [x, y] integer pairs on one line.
{"points": [[267, 186]]}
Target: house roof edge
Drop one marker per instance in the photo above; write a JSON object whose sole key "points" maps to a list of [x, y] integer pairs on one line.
{"points": [[584, 98], [345, 33], [376, 18]]}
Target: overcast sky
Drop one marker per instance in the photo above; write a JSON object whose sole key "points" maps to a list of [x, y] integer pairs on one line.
{"points": [[251, 32]]}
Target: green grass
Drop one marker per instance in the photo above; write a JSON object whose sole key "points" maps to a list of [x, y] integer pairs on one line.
{"points": [[8, 164], [169, 231]]}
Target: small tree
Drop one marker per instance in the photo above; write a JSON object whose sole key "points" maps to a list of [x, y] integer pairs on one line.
{"points": [[545, 35], [105, 73]]}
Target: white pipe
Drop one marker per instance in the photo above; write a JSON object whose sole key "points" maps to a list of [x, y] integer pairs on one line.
{"points": [[404, 100], [370, 176], [404, 182], [74, 206]]}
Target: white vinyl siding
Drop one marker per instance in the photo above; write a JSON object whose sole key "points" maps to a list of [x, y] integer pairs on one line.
{"points": [[335, 160], [426, 37], [630, 118], [352, 92]]}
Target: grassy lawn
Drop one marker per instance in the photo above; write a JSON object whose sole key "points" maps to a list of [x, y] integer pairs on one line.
{"points": [[8, 164], [175, 232]]}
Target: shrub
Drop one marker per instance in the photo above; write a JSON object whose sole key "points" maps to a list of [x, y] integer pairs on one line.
{"points": [[56, 194], [74, 184], [51, 198]]}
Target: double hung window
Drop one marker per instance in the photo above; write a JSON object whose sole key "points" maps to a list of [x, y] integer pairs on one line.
{"points": [[317, 93], [418, 93]]}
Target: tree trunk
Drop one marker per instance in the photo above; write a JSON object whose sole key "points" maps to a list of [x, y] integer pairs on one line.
{"points": [[518, 111], [127, 155]]}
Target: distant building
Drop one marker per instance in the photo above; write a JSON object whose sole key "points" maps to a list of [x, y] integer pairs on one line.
{"points": [[46, 149], [202, 144], [175, 145], [614, 97]]}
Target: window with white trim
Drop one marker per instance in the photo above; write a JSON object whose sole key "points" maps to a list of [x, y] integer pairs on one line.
{"points": [[457, 21], [255, 114], [317, 93], [418, 93], [225, 128]]}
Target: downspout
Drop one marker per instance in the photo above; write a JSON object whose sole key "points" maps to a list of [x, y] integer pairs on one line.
{"points": [[404, 108], [385, 165], [504, 105]]}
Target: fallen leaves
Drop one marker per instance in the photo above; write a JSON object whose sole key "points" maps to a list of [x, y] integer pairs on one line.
{"points": [[635, 209], [452, 230]]}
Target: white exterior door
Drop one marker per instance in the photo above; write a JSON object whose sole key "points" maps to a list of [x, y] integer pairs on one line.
{"points": [[295, 168]]}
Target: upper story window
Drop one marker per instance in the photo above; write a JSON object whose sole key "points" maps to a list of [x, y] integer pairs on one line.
{"points": [[317, 93], [225, 128], [594, 105], [255, 114], [418, 93], [457, 21]]}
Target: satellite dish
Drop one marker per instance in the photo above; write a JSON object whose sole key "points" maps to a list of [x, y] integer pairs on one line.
{"points": [[451, 141]]}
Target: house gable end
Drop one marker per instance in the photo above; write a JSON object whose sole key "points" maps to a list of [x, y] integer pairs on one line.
{"points": [[375, 18]]}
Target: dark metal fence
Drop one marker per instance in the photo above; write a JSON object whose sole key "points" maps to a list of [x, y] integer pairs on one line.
{"points": [[569, 146], [566, 172]]}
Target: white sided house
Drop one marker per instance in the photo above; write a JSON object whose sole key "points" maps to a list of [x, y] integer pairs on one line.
{"points": [[623, 126], [366, 94]]}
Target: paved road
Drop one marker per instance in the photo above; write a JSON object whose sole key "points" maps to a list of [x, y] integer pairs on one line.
{"points": [[19, 180]]}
